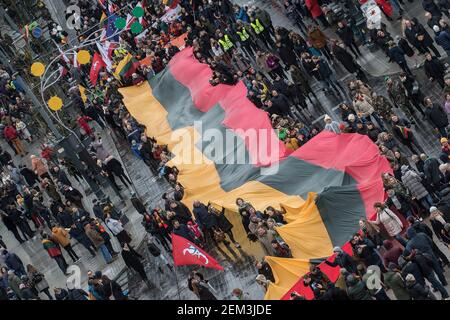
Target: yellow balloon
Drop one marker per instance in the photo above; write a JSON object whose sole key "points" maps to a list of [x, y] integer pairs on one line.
{"points": [[83, 57], [37, 69], [55, 103]]}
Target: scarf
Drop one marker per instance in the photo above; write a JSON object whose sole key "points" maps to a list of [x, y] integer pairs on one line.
{"points": [[159, 221]]}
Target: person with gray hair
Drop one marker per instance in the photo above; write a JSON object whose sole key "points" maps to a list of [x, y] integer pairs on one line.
{"points": [[418, 291], [442, 38]]}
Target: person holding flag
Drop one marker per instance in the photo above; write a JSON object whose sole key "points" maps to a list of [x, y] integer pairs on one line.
{"points": [[196, 283], [187, 253]]}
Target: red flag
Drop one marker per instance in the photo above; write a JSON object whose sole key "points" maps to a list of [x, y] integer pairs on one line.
{"points": [[186, 253], [97, 65]]}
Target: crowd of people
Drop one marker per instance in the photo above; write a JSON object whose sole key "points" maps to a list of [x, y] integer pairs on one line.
{"points": [[284, 71]]}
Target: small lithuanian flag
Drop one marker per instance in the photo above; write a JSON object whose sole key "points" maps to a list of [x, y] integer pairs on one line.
{"points": [[126, 67]]}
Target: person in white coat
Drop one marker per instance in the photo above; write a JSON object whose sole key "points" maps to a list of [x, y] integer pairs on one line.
{"points": [[117, 229], [390, 221]]}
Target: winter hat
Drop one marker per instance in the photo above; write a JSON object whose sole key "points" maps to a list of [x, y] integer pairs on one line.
{"points": [[351, 117], [433, 209], [326, 118], [443, 140], [436, 28], [404, 168], [337, 249]]}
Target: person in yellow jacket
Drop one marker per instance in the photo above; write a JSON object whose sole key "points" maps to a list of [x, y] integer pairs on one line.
{"points": [[225, 42], [261, 32], [246, 38], [61, 237]]}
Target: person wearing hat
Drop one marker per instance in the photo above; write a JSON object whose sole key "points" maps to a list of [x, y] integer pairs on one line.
{"points": [[331, 125], [343, 260], [418, 291]]}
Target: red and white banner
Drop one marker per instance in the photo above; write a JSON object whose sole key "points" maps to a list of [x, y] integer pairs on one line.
{"points": [[97, 65], [187, 253]]}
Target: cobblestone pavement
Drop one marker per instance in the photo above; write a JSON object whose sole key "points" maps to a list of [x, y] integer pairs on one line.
{"points": [[239, 271]]}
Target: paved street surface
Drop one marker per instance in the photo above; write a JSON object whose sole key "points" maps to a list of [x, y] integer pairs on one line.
{"points": [[239, 271]]}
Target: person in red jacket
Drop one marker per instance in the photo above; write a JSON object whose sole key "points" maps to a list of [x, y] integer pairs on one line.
{"points": [[10, 133], [316, 12], [83, 123]]}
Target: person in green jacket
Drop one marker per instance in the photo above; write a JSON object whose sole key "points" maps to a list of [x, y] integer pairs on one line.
{"points": [[357, 289], [394, 280]]}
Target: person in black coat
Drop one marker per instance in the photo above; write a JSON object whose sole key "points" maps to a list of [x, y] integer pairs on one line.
{"points": [[11, 226], [397, 55], [196, 283], [436, 116], [343, 260], [77, 232], [345, 58], [286, 55], [20, 221], [347, 36], [113, 166], [404, 45], [183, 231], [221, 222], [133, 261], [402, 131], [279, 104], [182, 213], [413, 91], [203, 218], [64, 217], [31, 178], [434, 69], [431, 7], [423, 38], [112, 288], [73, 195], [60, 175]]}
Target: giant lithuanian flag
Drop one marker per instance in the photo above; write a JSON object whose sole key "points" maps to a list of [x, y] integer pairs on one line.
{"points": [[326, 186]]}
